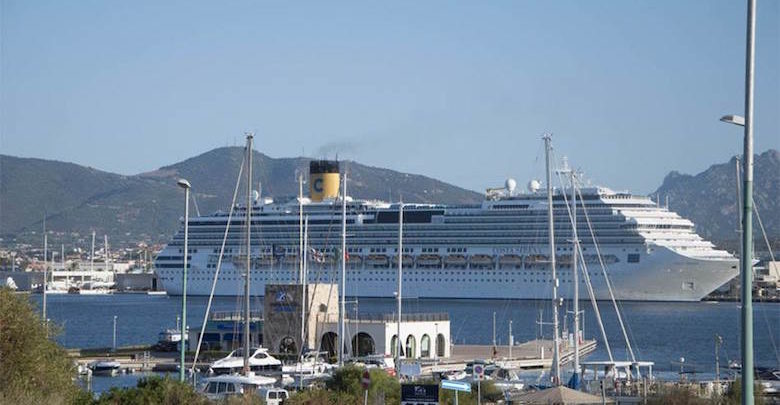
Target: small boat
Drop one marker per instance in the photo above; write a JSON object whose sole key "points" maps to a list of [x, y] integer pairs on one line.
{"points": [[455, 261], [377, 261], [104, 367], [312, 362], [259, 362], [510, 261], [224, 386], [429, 261], [408, 260], [168, 340], [481, 261]]}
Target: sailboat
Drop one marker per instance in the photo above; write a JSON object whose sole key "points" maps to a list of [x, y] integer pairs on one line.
{"points": [[243, 364]]}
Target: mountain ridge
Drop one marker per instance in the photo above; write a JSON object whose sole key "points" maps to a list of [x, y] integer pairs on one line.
{"points": [[146, 206]]}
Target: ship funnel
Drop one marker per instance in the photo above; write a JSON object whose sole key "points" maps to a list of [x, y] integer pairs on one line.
{"points": [[323, 179]]}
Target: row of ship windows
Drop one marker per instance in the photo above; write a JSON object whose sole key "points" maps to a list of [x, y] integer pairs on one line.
{"points": [[380, 279]]}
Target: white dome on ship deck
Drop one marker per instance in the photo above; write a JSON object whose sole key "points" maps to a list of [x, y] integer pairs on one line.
{"points": [[534, 186], [510, 185]]}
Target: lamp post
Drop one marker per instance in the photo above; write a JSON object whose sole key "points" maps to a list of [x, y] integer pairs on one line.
{"points": [[746, 257], [113, 342], [186, 186]]}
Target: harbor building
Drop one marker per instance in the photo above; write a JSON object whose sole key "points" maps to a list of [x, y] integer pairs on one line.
{"points": [[424, 336]]}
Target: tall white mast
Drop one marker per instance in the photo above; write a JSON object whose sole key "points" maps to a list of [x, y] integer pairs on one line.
{"points": [[45, 265], [400, 285], [92, 254], [576, 281], [304, 294], [342, 309], [249, 137], [556, 367], [300, 227]]}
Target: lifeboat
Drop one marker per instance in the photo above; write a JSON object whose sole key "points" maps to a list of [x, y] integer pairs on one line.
{"points": [[377, 260], [511, 261], [455, 261], [481, 261], [408, 260], [429, 261], [354, 259], [537, 261], [564, 260]]}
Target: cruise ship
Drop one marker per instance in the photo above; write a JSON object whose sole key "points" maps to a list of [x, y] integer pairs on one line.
{"points": [[497, 249]]}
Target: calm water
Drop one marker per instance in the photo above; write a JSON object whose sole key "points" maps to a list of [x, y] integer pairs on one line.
{"points": [[659, 332]]}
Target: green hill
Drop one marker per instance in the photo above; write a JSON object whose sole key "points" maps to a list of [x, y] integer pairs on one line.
{"points": [[147, 207]]}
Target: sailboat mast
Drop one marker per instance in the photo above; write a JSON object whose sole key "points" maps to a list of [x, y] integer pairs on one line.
{"points": [[249, 137], [45, 265], [342, 314], [556, 367], [300, 228], [575, 279], [400, 285], [304, 294], [92, 254]]}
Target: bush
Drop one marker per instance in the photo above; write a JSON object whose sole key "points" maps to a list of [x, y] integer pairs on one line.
{"points": [[153, 390], [490, 394], [345, 388], [33, 368]]}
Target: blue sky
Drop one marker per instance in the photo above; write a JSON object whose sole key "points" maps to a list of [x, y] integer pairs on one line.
{"points": [[459, 91]]}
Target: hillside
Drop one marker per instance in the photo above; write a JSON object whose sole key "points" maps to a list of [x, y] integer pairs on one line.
{"points": [[78, 199], [147, 207], [709, 198]]}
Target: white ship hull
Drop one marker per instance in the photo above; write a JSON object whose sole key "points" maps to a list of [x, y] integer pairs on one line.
{"points": [[660, 275]]}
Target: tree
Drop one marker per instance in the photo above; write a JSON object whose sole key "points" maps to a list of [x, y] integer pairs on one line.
{"points": [[153, 390], [33, 368]]}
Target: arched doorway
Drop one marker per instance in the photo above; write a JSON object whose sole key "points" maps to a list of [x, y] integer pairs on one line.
{"points": [[328, 343], [288, 346], [411, 347], [440, 345], [394, 346], [363, 345], [425, 346]]}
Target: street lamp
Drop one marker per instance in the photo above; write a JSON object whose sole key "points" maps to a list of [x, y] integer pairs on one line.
{"points": [[186, 186], [733, 119], [746, 259]]}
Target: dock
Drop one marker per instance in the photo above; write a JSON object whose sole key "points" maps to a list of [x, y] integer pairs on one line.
{"points": [[534, 354]]}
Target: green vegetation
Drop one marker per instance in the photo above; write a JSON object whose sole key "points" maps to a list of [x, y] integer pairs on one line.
{"points": [[685, 396], [345, 388], [490, 394], [129, 208], [33, 368]]}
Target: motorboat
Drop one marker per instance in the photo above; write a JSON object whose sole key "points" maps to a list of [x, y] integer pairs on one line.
{"points": [[259, 362], [107, 367], [311, 363]]}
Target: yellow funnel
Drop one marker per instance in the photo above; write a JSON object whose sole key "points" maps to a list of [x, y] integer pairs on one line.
{"points": [[323, 179]]}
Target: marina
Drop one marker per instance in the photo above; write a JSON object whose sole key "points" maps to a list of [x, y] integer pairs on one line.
{"points": [[414, 203]]}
